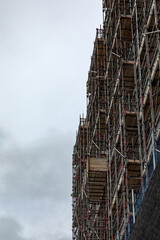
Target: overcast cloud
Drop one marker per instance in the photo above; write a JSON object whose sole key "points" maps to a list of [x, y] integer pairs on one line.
{"points": [[10, 229], [45, 49]]}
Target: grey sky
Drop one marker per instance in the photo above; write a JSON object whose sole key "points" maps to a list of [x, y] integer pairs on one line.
{"points": [[45, 49]]}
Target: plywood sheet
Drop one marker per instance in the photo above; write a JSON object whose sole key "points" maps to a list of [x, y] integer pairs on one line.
{"points": [[97, 164]]}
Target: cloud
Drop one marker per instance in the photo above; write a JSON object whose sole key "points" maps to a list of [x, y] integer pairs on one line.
{"points": [[35, 184], [58, 236], [10, 229], [42, 170]]}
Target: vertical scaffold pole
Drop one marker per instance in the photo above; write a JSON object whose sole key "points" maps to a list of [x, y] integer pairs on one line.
{"points": [[133, 208]]}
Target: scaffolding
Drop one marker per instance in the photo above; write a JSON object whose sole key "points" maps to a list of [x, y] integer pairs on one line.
{"points": [[118, 144]]}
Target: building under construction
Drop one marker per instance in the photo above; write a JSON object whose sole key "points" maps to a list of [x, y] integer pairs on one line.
{"points": [[117, 147]]}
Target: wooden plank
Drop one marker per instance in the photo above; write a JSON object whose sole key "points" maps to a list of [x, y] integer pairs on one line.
{"points": [[97, 164], [132, 161]]}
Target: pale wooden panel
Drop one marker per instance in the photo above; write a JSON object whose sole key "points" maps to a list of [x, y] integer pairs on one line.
{"points": [[97, 164]]}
